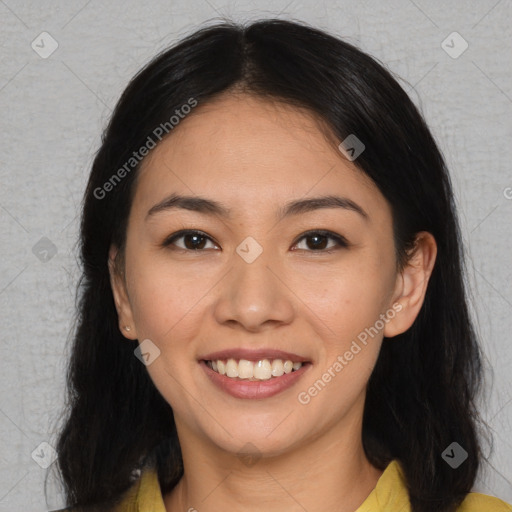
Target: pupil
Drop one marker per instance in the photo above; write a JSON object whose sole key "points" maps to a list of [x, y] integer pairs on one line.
{"points": [[318, 245], [192, 246]]}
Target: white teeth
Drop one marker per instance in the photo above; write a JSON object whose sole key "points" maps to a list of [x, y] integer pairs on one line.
{"points": [[245, 369], [278, 368], [232, 368], [263, 369]]}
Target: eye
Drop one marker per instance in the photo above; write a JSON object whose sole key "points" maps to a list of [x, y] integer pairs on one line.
{"points": [[318, 241], [192, 240], [315, 241]]}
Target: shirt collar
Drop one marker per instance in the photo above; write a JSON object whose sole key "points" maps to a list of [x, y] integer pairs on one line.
{"points": [[389, 494]]}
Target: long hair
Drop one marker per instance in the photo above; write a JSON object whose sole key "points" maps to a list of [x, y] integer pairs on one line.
{"points": [[422, 394]]}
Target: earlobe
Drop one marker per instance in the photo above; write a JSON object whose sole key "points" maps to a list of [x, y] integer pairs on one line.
{"points": [[412, 282], [123, 307]]}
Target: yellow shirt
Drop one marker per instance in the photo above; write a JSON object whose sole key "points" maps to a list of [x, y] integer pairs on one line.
{"points": [[389, 495]]}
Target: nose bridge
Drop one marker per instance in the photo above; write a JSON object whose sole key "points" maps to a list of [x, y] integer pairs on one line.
{"points": [[252, 294], [251, 267]]}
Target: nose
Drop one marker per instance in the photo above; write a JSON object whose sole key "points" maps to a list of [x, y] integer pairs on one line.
{"points": [[253, 296]]}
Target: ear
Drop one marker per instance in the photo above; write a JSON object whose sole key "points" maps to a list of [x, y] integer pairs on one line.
{"points": [[118, 284], [411, 284]]}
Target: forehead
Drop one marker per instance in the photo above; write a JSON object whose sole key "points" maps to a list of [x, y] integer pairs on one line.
{"points": [[245, 151]]}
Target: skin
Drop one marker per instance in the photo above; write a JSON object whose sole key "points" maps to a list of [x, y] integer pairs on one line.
{"points": [[254, 156]]}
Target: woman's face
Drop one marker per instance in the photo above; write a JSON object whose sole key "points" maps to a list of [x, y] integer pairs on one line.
{"points": [[252, 286]]}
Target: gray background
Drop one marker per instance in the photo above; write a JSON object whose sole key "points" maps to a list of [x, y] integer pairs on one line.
{"points": [[53, 110]]}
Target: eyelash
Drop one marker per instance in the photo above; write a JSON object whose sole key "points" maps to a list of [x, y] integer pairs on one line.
{"points": [[340, 240]]}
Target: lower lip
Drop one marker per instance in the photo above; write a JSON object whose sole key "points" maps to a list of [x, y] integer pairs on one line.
{"points": [[253, 388]]}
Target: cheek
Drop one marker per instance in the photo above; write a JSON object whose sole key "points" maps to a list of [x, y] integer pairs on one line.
{"points": [[347, 299], [168, 305], [167, 310], [346, 307], [166, 297]]}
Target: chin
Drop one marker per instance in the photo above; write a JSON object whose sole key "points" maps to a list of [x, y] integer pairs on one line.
{"points": [[257, 439]]}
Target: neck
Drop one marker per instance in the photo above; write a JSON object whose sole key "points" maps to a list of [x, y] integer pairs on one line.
{"points": [[329, 473]]}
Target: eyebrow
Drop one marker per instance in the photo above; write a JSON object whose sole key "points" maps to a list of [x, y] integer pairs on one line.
{"points": [[211, 207]]}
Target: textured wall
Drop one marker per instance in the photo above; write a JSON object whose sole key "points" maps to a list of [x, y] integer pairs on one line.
{"points": [[53, 108]]}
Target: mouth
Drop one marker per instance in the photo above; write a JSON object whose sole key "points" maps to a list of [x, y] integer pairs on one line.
{"points": [[260, 370], [255, 374]]}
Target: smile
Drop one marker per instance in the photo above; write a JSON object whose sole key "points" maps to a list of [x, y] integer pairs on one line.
{"points": [[264, 386], [263, 369]]}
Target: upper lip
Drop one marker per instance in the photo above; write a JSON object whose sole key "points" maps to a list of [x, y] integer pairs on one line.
{"points": [[253, 355]]}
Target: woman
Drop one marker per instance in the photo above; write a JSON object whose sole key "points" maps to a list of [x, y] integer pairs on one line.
{"points": [[272, 311]]}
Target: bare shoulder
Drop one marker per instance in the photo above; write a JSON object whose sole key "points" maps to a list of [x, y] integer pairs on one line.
{"points": [[477, 502]]}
